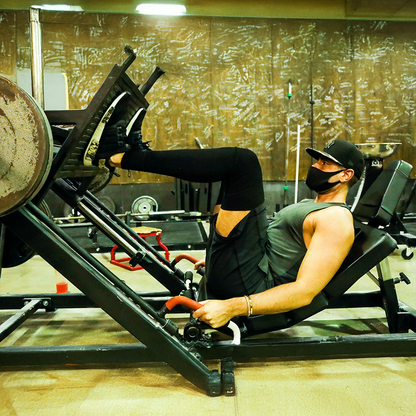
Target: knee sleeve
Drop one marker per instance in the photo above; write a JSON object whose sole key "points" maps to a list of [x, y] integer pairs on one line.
{"points": [[243, 187]]}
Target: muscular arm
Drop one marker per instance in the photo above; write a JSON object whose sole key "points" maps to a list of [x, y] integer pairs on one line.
{"points": [[329, 235]]}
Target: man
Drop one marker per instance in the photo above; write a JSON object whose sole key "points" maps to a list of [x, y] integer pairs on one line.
{"points": [[252, 268]]}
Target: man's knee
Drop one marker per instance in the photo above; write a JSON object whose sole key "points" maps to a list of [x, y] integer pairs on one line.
{"points": [[248, 159]]}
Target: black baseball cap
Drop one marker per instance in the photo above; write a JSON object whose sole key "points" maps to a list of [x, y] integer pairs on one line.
{"points": [[342, 152]]}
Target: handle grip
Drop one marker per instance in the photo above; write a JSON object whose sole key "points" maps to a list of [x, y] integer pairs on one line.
{"points": [[130, 58], [182, 300], [192, 259], [191, 304]]}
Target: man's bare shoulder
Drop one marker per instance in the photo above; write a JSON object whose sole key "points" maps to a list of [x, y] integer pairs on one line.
{"points": [[332, 219], [336, 212]]}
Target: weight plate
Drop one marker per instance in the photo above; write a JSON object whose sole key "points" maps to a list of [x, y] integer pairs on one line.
{"points": [[15, 251], [71, 214], [100, 181], [108, 203], [26, 147], [144, 205]]}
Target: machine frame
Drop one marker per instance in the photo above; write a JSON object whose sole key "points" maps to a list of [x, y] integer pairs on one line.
{"points": [[159, 338]]}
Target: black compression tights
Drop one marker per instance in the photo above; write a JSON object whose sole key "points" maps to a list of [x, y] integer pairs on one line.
{"points": [[238, 169]]}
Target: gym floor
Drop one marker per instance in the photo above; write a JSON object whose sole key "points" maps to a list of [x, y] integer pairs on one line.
{"points": [[371, 386]]}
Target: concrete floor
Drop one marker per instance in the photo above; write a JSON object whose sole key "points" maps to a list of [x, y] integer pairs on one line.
{"points": [[371, 386]]}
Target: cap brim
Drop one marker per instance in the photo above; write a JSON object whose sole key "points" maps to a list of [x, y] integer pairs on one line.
{"points": [[317, 154]]}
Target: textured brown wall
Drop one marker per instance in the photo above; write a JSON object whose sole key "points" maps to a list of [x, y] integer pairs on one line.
{"points": [[226, 78]]}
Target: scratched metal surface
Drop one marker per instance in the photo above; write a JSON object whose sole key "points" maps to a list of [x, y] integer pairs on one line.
{"points": [[227, 78], [26, 147]]}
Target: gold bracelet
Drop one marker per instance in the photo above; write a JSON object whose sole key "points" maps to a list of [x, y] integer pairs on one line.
{"points": [[250, 306]]}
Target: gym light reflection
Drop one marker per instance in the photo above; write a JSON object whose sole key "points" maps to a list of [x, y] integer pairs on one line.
{"points": [[60, 7], [161, 9]]}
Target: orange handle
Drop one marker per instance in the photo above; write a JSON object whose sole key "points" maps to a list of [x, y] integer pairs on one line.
{"points": [[184, 256], [182, 300]]}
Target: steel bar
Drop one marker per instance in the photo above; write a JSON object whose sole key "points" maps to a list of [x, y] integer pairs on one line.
{"points": [[36, 49], [117, 231], [351, 346], [79, 300], [7, 327], [313, 348], [74, 300]]}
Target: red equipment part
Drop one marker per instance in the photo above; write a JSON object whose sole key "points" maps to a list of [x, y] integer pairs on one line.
{"points": [[182, 300], [184, 256]]}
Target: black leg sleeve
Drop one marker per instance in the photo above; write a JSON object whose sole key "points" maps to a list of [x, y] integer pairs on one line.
{"points": [[238, 169]]}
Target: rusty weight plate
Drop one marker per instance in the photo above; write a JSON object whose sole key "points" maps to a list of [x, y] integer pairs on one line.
{"points": [[26, 147], [100, 181], [16, 251]]}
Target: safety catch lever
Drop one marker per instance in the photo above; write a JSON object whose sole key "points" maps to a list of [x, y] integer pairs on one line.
{"points": [[402, 278]]}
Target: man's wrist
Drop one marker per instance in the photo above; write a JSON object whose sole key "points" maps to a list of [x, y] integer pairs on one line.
{"points": [[240, 306]]}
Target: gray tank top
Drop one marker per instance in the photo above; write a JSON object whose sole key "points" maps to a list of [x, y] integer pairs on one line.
{"points": [[285, 248]]}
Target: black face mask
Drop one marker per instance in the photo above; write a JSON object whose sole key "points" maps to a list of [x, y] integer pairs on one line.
{"points": [[317, 180]]}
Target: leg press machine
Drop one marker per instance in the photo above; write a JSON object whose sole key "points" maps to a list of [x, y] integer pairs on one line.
{"points": [[26, 229]]}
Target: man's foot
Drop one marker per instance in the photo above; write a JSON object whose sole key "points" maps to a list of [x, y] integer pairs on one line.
{"points": [[134, 131], [110, 135]]}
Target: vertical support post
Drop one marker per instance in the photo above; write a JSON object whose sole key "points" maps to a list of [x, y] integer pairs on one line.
{"points": [[297, 165], [389, 295], [36, 49], [312, 102], [286, 185]]}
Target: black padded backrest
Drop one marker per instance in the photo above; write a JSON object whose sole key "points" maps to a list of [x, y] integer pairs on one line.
{"points": [[379, 203]]}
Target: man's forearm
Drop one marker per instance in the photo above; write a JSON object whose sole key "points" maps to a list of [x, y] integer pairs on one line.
{"points": [[281, 298], [278, 299]]}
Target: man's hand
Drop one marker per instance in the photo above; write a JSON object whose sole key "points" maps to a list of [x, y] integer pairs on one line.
{"points": [[198, 264], [217, 313]]}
